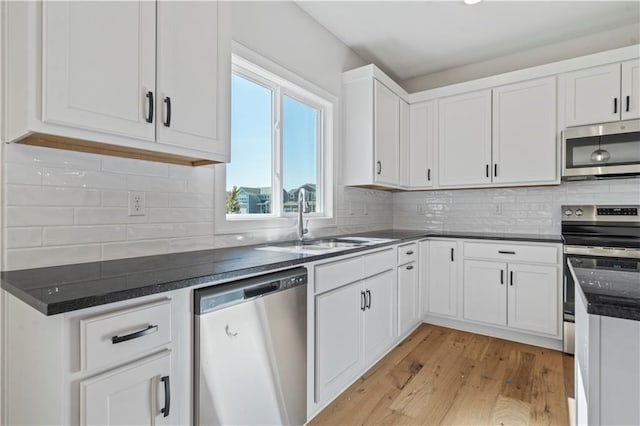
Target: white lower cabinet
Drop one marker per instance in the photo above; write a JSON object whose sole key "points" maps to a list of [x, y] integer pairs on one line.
{"points": [[408, 297], [338, 338], [137, 394], [518, 296], [379, 315], [442, 279], [355, 323], [533, 298], [485, 295]]}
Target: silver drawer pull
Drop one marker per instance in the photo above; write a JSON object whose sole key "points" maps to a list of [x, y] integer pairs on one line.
{"points": [[410, 267], [410, 252], [506, 252], [149, 330]]}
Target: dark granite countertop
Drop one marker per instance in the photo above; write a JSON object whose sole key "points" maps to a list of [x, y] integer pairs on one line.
{"points": [[608, 287], [66, 288]]}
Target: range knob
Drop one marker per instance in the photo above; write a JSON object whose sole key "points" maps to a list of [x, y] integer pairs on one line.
{"points": [[568, 212], [579, 212]]}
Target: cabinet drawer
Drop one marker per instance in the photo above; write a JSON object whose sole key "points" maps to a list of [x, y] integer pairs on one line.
{"points": [[335, 274], [117, 336], [378, 262], [407, 253], [511, 252]]}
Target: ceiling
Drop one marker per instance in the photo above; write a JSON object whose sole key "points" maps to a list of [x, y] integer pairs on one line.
{"points": [[415, 38]]}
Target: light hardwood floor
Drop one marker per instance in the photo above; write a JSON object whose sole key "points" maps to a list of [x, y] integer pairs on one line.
{"points": [[443, 376]]}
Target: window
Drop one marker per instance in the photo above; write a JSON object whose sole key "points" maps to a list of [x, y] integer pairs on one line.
{"points": [[281, 136]]}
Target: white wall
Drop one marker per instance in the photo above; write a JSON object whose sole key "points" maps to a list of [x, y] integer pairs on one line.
{"points": [[593, 43], [68, 207], [533, 210]]}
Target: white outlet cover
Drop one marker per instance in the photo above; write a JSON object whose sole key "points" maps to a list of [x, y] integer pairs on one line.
{"points": [[137, 203]]}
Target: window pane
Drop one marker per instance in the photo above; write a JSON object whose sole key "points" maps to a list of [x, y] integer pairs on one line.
{"points": [[249, 183], [299, 153]]}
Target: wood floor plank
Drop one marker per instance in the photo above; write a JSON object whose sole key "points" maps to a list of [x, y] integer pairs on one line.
{"points": [[443, 376]]}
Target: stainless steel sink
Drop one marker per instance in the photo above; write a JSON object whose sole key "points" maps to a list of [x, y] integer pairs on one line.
{"points": [[325, 245]]}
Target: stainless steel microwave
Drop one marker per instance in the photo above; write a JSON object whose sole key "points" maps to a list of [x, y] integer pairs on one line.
{"points": [[601, 151]]}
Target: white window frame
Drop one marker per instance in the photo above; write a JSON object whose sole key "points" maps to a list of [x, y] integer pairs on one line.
{"points": [[283, 83]]}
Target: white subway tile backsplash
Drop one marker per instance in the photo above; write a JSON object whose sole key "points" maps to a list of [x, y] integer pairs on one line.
{"points": [[65, 235], [51, 256], [24, 237], [23, 174], [157, 184], [115, 198], [21, 195], [38, 216], [83, 178], [180, 215], [519, 210], [134, 249], [38, 156], [105, 215], [135, 167]]}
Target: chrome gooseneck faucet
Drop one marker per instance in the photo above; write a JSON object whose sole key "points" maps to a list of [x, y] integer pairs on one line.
{"points": [[303, 206]]}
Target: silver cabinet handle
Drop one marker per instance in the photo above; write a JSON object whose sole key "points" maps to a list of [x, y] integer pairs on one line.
{"points": [[511, 277], [410, 267], [429, 175], [410, 252], [379, 167], [369, 299], [501, 277], [506, 252], [149, 330], [363, 301]]}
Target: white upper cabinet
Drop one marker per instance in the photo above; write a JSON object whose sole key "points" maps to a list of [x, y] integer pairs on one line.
{"points": [[524, 132], [386, 134], [188, 76], [140, 79], [405, 144], [464, 139], [631, 89], [99, 70], [422, 137], [602, 94], [376, 121]]}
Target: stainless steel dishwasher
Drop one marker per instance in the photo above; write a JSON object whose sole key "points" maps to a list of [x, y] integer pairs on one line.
{"points": [[251, 351]]}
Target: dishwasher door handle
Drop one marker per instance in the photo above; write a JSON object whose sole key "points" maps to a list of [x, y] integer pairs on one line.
{"points": [[260, 290]]}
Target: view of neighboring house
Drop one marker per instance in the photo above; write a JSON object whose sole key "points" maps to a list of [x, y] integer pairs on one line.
{"points": [[258, 200]]}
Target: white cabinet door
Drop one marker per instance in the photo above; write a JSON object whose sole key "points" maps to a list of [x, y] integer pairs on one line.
{"points": [[338, 339], [524, 132], [422, 139], [135, 394], [485, 292], [631, 89], [380, 315], [534, 298], [405, 144], [464, 143], [187, 100], [408, 298], [99, 66], [386, 134], [442, 278], [592, 95]]}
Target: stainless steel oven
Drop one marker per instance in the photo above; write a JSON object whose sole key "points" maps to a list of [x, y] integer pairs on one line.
{"points": [[601, 151], [597, 237]]}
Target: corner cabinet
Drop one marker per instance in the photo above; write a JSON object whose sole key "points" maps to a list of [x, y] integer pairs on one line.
{"points": [[118, 80], [375, 120], [503, 136], [602, 94]]}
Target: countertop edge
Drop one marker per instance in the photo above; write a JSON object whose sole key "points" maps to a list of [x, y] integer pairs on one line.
{"points": [[54, 308]]}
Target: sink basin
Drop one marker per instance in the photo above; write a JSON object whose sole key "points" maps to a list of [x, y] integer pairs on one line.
{"points": [[325, 245]]}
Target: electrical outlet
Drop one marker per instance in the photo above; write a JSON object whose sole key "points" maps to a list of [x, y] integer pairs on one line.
{"points": [[137, 204]]}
